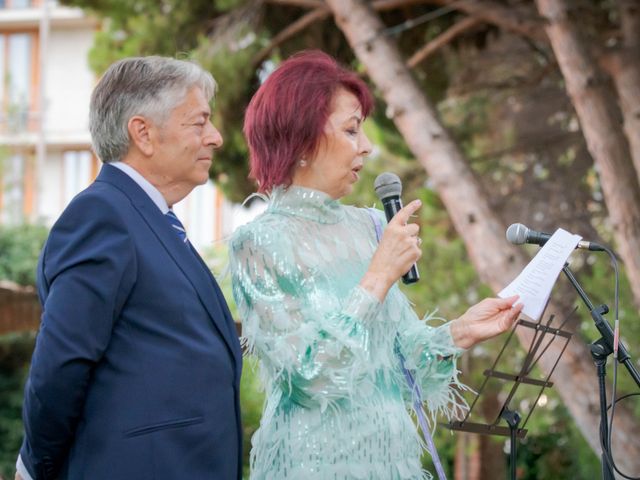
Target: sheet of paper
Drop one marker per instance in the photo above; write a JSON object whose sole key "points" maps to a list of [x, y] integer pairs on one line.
{"points": [[535, 282]]}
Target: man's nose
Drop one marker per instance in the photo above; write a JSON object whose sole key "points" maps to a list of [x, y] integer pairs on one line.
{"points": [[213, 136]]}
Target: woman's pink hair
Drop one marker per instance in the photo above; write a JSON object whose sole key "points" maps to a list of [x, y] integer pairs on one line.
{"points": [[286, 117]]}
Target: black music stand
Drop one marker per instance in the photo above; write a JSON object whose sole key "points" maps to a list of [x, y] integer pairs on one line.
{"points": [[544, 335]]}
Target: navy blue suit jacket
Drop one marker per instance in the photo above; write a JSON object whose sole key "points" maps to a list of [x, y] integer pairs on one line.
{"points": [[136, 369]]}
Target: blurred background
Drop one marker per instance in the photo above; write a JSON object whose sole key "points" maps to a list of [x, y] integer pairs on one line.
{"points": [[491, 111]]}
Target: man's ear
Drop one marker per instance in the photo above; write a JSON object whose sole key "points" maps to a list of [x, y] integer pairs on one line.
{"points": [[139, 130]]}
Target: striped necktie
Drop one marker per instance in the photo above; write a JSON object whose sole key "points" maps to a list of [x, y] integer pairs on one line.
{"points": [[176, 224]]}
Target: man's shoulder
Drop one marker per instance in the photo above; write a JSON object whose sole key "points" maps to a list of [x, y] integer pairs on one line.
{"points": [[102, 196], [91, 221], [98, 205]]}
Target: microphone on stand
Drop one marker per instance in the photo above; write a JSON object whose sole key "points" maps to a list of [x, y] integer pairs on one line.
{"points": [[388, 188], [519, 234]]}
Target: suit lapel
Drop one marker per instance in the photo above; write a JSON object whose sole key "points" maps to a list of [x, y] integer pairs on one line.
{"points": [[230, 323], [187, 260]]}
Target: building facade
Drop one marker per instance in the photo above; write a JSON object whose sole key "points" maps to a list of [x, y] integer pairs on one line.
{"points": [[45, 147]]}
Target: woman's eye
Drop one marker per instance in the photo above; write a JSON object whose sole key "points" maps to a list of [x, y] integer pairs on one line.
{"points": [[352, 132]]}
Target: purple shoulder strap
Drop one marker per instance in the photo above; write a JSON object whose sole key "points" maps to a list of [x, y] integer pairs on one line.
{"points": [[376, 222]]}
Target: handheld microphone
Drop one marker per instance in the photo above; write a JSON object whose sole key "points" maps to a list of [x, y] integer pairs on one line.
{"points": [[388, 188], [519, 234]]}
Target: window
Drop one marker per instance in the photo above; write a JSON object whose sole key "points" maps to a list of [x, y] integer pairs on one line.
{"points": [[3, 74], [19, 85], [76, 173], [12, 175], [16, 3], [17, 62]]}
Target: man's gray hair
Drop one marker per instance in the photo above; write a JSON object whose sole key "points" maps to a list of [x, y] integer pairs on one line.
{"points": [[147, 86]]}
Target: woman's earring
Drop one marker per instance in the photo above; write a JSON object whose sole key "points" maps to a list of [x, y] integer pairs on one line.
{"points": [[302, 163]]}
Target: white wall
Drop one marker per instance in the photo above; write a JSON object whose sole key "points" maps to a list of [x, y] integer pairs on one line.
{"points": [[69, 82], [50, 191]]}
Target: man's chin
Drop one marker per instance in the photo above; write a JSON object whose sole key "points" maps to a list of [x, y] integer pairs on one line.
{"points": [[204, 180], [201, 177]]}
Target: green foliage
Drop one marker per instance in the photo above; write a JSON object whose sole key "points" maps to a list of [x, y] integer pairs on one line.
{"points": [[470, 118], [15, 353], [554, 448], [19, 249], [227, 5], [445, 443], [145, 27], [252, 401], [217, 259]]}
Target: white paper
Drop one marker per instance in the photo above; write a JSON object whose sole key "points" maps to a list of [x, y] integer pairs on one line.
{"points": [[535, 282]]}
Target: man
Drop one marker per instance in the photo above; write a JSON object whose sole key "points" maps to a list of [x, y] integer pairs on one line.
{"points": [[136, 369]]}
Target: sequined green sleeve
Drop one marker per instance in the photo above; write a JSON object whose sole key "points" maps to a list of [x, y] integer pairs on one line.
{"points": [[314, 344], [431, 355]]}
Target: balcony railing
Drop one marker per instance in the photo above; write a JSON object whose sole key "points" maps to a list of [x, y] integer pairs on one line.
{"points": [[18, 120]]}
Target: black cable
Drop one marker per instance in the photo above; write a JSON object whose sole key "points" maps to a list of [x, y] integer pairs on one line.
{"points": [[605, 443], [605, 448], [412, 22], [616, 339], [605, 439]]}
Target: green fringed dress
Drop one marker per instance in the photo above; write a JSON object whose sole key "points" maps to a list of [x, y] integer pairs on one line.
{"points": [[337, 403]]}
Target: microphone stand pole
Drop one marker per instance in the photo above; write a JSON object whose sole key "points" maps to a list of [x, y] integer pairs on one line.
{"points": [[600, 350], [513, 420]]}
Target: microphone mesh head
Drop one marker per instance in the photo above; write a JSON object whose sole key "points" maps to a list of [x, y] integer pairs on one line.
{"points": [[517, 234], [387, 184]]}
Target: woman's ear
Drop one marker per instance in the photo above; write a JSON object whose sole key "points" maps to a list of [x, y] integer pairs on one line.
{"points": [[139, 132]]}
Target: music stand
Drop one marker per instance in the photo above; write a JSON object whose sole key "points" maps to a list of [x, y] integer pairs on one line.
{"points": [[544, 335]]}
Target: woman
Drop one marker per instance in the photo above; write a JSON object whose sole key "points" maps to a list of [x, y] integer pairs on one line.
{"points": [[317, 292]]}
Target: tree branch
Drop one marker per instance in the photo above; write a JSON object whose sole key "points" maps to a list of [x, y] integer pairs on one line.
{"points": [[320, 12], [516, 82], [299, 3], [291, 30], [379, 5], [488, 11], [382, 5], [508, 18], [441, 40]]}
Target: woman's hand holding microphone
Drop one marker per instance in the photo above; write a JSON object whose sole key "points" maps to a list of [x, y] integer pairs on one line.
{"points": [[398, 250]]}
